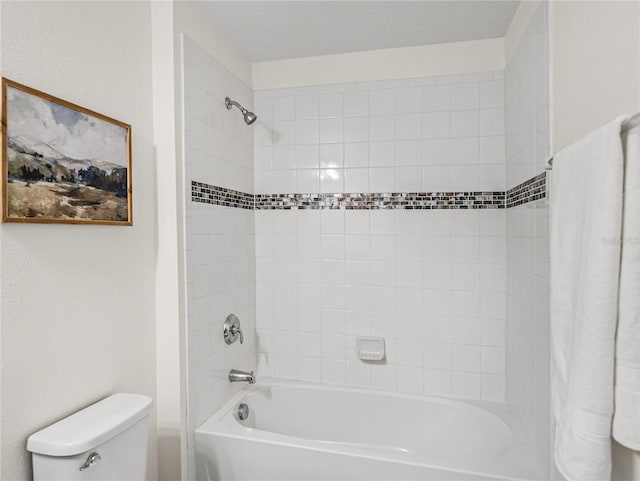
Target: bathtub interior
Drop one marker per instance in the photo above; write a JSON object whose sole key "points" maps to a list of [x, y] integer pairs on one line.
{"points": [[425, 433], [356, 418]]}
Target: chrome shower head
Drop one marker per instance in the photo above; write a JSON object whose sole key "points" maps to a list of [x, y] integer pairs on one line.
{"points": [[249, 117]]}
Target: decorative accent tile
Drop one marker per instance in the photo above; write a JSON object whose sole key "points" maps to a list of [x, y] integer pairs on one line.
{"points": [[395, 200], [212, 194], [529, 191]]}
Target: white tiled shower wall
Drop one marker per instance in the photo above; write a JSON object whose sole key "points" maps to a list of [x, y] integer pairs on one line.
{"points": [[427, 134], [432, 283], [526, 90], [528, 334], [220, 250]]}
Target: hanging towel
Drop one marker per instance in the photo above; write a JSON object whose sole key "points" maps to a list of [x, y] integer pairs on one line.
{"points": [[626, 416], [586, 202]]}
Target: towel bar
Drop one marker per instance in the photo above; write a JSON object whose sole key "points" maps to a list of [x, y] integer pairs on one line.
{"points": [[631, 122]]}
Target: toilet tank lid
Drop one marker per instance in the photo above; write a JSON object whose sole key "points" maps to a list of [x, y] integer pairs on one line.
{"points": [[91, 426]]}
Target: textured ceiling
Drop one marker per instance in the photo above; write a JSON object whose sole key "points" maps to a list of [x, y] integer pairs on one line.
{"points": [[271, 29]]}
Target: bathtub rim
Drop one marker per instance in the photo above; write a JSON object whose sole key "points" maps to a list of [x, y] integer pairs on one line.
{"points": [[498, 409]]}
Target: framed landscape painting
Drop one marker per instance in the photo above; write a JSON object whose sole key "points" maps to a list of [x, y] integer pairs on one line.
{"points": [[62, 163]]}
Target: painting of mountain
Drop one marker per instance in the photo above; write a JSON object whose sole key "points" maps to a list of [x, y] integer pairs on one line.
{"points": [[61, 162]]}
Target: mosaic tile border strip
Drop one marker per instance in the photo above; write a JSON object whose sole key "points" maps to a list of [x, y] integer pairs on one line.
{"points": [[529, 191], [212, 194], [377, 201]]}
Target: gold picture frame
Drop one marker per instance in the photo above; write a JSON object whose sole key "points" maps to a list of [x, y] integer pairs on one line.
{"points": [[62, 163]]}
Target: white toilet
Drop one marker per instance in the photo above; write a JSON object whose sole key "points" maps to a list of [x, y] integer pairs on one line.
{"points": [[106, 441]]}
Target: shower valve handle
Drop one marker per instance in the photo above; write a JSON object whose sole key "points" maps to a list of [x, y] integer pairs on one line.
{"points": [[235, 330]]}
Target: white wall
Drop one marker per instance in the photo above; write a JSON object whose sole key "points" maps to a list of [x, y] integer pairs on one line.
{"points": [[78, 314], [595, 77], [0, 289], [596, 65], [518, 27], [409, 62], [170, 323], [189, 19]]}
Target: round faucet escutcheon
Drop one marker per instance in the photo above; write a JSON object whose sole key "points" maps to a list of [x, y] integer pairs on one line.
{"points": [[231, 329], [242, 411]]}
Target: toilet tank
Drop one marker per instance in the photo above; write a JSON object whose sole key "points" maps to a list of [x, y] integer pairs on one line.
{"points": [[113, 433]]}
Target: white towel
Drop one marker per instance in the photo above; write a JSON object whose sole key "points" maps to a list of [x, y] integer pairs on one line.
{"points": [[626, 416], [586, 200]]}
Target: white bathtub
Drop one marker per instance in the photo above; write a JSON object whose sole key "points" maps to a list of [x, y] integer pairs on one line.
{"points": [[306, 432]]}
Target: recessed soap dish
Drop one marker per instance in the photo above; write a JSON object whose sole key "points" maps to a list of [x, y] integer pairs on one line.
{"points": [[370, 348]]}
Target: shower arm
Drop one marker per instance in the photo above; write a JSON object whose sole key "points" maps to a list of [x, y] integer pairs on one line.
{"points": [[228, 102]]}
